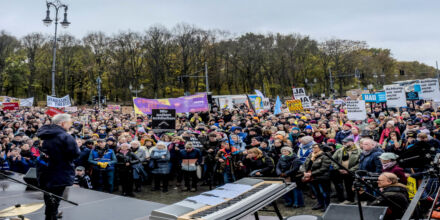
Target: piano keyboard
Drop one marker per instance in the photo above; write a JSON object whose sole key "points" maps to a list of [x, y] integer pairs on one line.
{"points": [[249, 193]]}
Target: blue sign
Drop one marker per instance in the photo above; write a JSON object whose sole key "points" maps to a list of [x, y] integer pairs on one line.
{"points": [[417, 88], [369, 97], [412, 96], [381, 97]]}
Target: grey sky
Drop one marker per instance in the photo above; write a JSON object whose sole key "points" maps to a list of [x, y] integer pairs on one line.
{"points": [[408, 27]]}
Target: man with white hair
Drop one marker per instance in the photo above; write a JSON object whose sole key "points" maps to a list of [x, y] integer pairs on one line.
{"points": [[56, 169], [369, 159]]}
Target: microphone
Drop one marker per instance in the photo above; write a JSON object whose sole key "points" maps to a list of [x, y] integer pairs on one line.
{"points": [[404, 160]]}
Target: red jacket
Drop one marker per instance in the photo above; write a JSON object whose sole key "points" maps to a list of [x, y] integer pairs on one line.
{"points": [[386, 133]]}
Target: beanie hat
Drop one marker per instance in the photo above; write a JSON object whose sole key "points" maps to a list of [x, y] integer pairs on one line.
{"points": [[288, 149], [309, 127]]}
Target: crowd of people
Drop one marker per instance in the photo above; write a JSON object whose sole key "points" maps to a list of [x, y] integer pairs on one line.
{"points": [[319, 149]]}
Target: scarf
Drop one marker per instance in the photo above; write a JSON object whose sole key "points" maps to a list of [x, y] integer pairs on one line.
{"points": [[315, 155], [345, 151], [123, 151], [388, 165]]}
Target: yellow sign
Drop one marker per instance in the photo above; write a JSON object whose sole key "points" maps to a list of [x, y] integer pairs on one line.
{"points": [[411, 185], [294, 106]]}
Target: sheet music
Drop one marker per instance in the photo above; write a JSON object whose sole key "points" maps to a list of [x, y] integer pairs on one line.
{"points": [[207, 200]]}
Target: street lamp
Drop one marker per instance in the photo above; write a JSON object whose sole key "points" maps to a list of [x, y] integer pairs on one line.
{"points": [[57, 5], [136, 91]]}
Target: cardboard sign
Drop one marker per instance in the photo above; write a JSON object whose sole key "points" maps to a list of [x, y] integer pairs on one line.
{"points": [[266, 104], [356, 110], [429, 89], [10, 106], [29, 102], [306, 102], [298, 92], [53, 111], [127, 110], [163, 119], [395, 96], [115, 108], [294, 106]]}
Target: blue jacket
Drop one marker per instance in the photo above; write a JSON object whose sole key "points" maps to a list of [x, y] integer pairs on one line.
{"points": [[161, 164], [194, 154], [108, 156], [370, 161], [61, 150], [83, 157]]}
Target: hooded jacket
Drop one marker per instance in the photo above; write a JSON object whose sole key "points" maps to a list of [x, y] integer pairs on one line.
{"points": [[61, 150]]}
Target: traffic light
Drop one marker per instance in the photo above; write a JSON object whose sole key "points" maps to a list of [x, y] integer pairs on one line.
{"points": [[402, 72]]}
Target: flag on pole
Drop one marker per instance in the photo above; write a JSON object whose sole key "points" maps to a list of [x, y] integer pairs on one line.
{"points": [[259, 93], [277, 109], [249, 104]]}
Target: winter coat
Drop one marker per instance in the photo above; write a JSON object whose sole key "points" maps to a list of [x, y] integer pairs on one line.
{"points": [[83, 157], [288, 165], [231, 158], [341, 135], [130, 158], [320, 168], [239, 145], [399, 173], [161, 164], [175, 154], [140, 154], [194, 154], [61, 150], [304, 151], [108, 156], [264, 165], [386, 133], [399, 195], [370, 161], [353, 160]]}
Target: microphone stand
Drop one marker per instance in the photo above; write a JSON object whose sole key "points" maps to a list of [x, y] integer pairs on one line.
{"points": [[357, 187], [36, 188]]}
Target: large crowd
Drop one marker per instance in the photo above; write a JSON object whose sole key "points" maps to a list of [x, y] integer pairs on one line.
{"points": [[122, 152]]}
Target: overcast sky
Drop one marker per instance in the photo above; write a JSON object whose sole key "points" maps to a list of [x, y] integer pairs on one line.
{"points": [[408, 27]]}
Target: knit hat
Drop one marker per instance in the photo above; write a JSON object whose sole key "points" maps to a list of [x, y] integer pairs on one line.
{"points": [[388, 156], [296, 128], [437, 121], [348, 125], [288, 149], [309, 127]]}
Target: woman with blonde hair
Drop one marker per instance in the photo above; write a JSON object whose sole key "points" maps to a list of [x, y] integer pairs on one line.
{"points": [[257, 163]]}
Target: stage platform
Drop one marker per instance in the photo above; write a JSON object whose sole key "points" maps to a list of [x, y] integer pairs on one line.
{"points": [[92, 204]]}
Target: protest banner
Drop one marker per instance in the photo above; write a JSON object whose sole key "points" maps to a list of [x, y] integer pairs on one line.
{"points": [[381, 97], [115, 108], [412, 96], [225, 102], [298, 92], [10, 106], [294, 106], [192, 103], [29, 102], [196, 142], [306, 102], [53, 111], [395, 96], [356, 110], [338, 102], [71, 109], [126, 110], [429, 89], [163, 119], [58, 102]]}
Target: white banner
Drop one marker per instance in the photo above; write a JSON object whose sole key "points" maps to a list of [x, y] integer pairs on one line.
{"points": [[305, 101], [29, 102], [430, 89], [58, 102], [298, 93], [356, 110], [71, 109], [395, 96], [225, 102]]}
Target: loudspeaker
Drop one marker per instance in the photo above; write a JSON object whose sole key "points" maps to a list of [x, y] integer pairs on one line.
{"points": [[350, 212], [31, 177]]}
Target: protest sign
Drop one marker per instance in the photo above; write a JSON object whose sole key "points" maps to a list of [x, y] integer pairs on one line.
{"points": [[225, 102], [294, 106], [163, 119], [53, 111], [115, 108], [192, 103], [10, 106], [71, 109], [29, 102], [306, 102], [338, 102], [395, 96], [196, 142], [84, 119], [412, 96], [429, 89], [58, 102], [258, 104], [381, 97], [369, 97], [356, 110], [126, 110], [298, 92], [266, 104]]}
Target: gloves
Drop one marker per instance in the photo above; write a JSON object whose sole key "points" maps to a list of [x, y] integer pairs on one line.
{"points": [[103, 165]]}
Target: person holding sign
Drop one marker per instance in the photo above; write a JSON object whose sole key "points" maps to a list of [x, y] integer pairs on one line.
{"points": [[190, 158]]}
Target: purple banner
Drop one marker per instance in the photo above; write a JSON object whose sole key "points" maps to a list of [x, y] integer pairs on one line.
{"points": [[192, 103]]}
